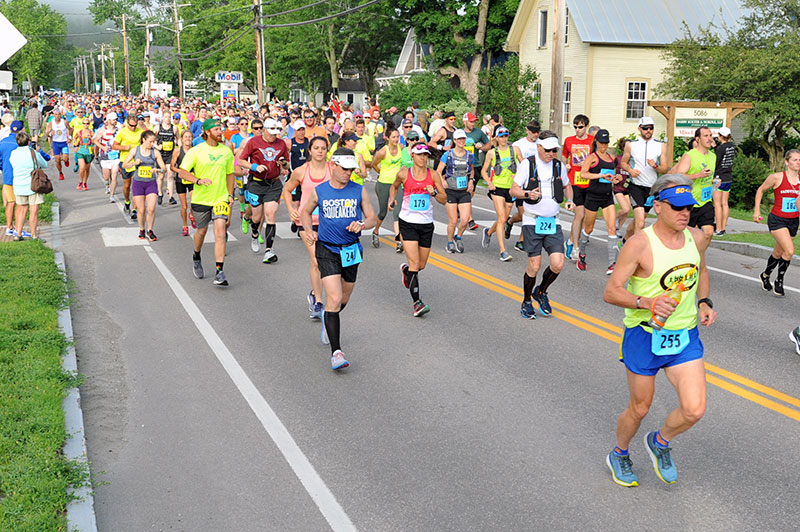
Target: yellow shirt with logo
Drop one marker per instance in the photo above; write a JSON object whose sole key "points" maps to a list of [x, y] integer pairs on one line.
{"points": [[214, 163], [126, 137]]}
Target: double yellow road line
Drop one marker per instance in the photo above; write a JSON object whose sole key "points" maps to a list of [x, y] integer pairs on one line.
{"points": [[743, 387]]}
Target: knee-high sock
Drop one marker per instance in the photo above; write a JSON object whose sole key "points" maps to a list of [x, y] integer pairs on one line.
{"points": [[548, 277], [528, 284], [584, 242], [771, 263], [413, 285], [332, 328], [269, 235], [255, 227], [783, 264], [611, 245]]}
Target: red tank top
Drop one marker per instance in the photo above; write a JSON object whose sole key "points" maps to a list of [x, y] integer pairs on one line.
{"points": [[786, 199]]}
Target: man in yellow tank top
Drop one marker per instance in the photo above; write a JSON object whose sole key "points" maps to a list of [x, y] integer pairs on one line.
{"points": [[652, 263], [698, 164]]}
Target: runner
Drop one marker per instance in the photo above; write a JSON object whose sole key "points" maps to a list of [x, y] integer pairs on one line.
{"points": [[420, 184], [643, 158], [237, 143], [699, 164], [146, 159], [297, 147], [542, 183], [498, 172], [653, 267], [600, 169], [306, 177], [576, 150], [126, 140], [782, 220], [456, 168], [266, 157], [479, 143], [621, 193], [168, 136], [58, 135], [76, 123], [109, 158], [209, 165], [312, 129], [527, 147], [350, 140], [183, 187], [442, 140], [344, 211], [387, 162], [723, 178], [83, 154]]}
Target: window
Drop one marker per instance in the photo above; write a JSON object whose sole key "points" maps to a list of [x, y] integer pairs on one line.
{"points": [[566, 29], [542, 29], [636, 100], [537, 91], [419, 57], [350, 98], [567, 101]]}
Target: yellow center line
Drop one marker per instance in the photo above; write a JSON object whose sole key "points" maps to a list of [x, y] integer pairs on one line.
{"points": [[613, 333]]}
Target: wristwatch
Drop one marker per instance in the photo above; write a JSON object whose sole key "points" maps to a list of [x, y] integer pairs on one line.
{"points": [[527, 194], [707, 301]]}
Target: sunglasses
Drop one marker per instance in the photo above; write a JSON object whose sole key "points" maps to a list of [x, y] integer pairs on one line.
{"points": [[406, 127], [552, 150], [257, 128], [576, 126], [86, 123], [679, 209], [646, 128]]}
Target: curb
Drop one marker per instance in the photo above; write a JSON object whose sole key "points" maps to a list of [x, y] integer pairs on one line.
{"points": [[80, 511], [747, 249]]}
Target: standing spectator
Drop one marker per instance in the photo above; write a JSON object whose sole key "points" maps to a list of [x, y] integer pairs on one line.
{"points": [[7, 145], [22, 161], [723, 178], [6, 129], [436, 124], [34, 118]]}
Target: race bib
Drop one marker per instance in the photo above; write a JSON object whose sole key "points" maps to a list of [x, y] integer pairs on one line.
{"points": [[666, 342], [221, 209], [351, 255], [706, 193], [649, 201], [461, 182], [789, 205], [545, 225], [167, 146], [113, 155], [606, 172], [145, 172], [419, 202], [580, 180], [65, 150]]}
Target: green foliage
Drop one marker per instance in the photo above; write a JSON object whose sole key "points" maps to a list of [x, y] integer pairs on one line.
{"points": [[680, 146], [748, 173], [430, 89], [34, 476], [460, 106], [508, 91]]}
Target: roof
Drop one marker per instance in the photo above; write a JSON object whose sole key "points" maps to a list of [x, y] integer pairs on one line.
{"points": [[636, 22]]}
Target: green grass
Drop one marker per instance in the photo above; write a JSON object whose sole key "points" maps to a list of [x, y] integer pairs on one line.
{"points": [[762, 239], [34, 476], [45, 210]]}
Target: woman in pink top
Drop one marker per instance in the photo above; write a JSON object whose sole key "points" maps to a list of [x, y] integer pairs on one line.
{"points": [[307, 177]]}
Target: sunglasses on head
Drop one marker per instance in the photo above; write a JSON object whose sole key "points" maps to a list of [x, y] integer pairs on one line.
{"points": [[552, 150], [647, 128]]}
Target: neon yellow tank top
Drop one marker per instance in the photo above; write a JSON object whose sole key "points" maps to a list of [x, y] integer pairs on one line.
{"points": [[390, 165], [669, 266], [703, 187], [506, 177]]}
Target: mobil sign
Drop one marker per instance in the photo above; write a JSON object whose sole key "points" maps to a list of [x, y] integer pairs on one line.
{"points": [[229, 77]]}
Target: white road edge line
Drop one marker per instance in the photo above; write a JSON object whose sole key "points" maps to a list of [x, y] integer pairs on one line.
{"points": [[308, 476]]}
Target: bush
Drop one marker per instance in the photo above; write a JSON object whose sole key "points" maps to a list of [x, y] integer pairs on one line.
{"points": [[508, 91], [430, 89], [459, 106], [749, 171]]}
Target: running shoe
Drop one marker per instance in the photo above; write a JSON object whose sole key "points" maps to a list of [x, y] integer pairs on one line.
{"points": [[508, 230], [9, 231], [245, 226], [487, 238], [112, 199], [134, 215], [254, 246], [420, 308], [270, 257], [794, 336], [142, 235], [459, 245], [527, 310], [622, 470], [399, 247], [260, 238], [403, 272], [198, 269], [720, 233], [568, 249], [662, 461], [777, 288], [317, 312], [581, 264], [765, 284], [543, 301], [172, 201], [450, 247], [220, 279], [620, 243], [376, 243], [160, 199], [108, 189], [312, 301], [323, 334], [152, 236], [76, 168], [191, 219], [79, 187], [472, 225], [338, 361], [505, 256], [24, 234], [19, 238], [610, 269], [60, 176], [185, 231]]}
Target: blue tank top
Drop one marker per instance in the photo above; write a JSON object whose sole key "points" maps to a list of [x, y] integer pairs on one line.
{"points": [[338, 208], [298, 153]]}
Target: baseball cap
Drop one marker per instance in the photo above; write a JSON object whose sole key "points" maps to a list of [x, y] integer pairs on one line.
{"points": [[210, 123], [420, 148], [272, 126], [680, 196], [549, 143], [646, 121], [602, 136], [412, 135], [298, 124], [725, 131], [407, 122], [176, 116], [17, 126], [350, 135], [449, 114], [111, 116], [459, 134], [469, 117], [501, 132], [345, 158]]}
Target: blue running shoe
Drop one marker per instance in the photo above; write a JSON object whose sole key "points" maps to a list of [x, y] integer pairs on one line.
{"points": [[527, 310], [622, 470], [311, 301], [568, 249], [323, 335], [662, 461], [317, 312], [543, 301]]}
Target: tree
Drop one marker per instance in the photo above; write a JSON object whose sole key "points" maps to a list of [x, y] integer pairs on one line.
{"points": [[429, 89], [462, 33], [508, 91], [37, 61], [756, 62]]}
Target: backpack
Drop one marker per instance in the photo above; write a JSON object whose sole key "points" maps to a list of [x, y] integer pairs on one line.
{"points": [[451, 165], [40, 183], [498, 168], [533, 181]]}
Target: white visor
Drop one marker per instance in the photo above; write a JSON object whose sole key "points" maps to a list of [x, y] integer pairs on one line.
{"points": [[345, 161]]}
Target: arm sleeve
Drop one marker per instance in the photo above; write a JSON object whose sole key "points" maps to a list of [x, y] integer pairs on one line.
{"points": [[44, 154], [564, 176]]}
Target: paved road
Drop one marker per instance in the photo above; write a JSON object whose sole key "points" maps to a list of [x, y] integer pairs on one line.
{"points": [[470, 418]]}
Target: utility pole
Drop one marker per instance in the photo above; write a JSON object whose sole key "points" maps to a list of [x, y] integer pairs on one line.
{"points": [[178, 47], [94, 71], [103, 68], [113, 70], [557, 75], [125, 52], [86, 73], [259, 52], [147, 39]]}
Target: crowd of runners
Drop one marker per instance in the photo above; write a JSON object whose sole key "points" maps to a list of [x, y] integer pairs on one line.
{"points": [[216, 159]]}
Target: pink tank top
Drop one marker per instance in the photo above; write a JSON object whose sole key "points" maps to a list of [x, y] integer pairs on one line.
{"points": [[308, 184]]}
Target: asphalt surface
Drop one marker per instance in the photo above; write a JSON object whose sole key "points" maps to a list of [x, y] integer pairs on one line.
{"points": [[470, 418]]}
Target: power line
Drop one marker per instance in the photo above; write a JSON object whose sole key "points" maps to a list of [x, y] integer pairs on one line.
{"points": [[320, 19]]}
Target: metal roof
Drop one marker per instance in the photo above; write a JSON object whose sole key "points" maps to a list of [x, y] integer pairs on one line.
{"points": [[650, 22]]}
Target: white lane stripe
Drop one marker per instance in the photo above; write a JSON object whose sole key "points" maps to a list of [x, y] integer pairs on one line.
{"points": [[308, 476], [747, 277]]}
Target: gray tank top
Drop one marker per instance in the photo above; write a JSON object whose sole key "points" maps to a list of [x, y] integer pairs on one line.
{"points": [[455, 169], [145, 171]]}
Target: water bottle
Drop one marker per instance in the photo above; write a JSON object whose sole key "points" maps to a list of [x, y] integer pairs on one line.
{"points": [[657, 322], [717, 181]]}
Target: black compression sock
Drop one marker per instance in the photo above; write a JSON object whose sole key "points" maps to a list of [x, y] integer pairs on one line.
{"points": [[771, 263], [219, 266], [783, 264], [413, 285], [254, 228], [341, 307], [528, 284], [548, 277], [332, 328], [196, 255], [269, 235]]}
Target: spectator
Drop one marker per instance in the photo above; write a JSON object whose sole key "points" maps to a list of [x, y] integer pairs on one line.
{"points": [[6, 128], [7, 145], [22, 161], [436, 124], [34, 118]]}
